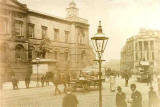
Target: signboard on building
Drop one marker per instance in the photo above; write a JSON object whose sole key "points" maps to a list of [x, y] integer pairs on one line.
{"points": [[144, 63]]}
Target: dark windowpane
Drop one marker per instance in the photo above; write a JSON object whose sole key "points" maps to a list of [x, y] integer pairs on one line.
{"points": [[18, 28], [44, 32], [56, 34], [31, 30]]}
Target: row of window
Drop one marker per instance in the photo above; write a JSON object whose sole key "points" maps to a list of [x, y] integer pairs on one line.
{"points": [[145, 44], [32, 55], [56, 55], [19, 30], [19, 27], [31, 32], [21, 55], [147, 56]]}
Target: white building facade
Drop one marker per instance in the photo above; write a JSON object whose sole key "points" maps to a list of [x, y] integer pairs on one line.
{"points": [[145, 46]]}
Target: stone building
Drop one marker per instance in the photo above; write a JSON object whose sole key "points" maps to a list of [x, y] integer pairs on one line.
{"points": [[24, 33], [145, 46]]}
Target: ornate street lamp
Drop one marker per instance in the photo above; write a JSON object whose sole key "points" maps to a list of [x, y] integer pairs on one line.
{"points": [[99, 42], [37, 61]]}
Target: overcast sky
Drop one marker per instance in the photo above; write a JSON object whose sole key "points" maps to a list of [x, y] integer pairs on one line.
{"points": [[120, 18]]}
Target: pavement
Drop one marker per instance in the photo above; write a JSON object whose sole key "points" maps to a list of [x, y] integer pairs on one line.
{"points": [[44, 96]]}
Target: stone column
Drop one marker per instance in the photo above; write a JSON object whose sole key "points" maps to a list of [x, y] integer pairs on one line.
{"points": [[149, 50], [154, 52], [135, 49], [143, 52], [138, 49]]}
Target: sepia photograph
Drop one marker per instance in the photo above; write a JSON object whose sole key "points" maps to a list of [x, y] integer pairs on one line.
{"points": [[79, 53]]}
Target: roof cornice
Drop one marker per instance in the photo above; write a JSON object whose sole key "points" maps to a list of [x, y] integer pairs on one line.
{"points": [[32, 12]]}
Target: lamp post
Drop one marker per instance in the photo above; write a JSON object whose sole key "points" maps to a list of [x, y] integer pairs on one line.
{"points": [[99, 42], [37, 61]]}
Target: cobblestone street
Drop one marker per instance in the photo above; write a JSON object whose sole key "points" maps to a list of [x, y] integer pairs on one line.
{"points": [[44, 97]]}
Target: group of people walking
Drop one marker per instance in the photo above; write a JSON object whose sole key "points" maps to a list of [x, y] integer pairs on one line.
{"points": [[44, 79], [112, 80], [70, 100], [56, 79], [61, 78], [136, 98], [27, 81]]}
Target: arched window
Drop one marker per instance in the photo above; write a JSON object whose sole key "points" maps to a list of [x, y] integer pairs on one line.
{"points": [[20, 53]]}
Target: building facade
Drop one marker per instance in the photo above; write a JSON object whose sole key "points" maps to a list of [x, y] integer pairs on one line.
{"points": [[145, 46], [25, 33]]}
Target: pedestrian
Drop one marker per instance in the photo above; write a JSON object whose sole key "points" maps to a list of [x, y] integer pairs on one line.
{"points": [[70, 100], [112, 82], [68, 78], [1, 81], [118, 74], [158, 83], [120, 98], [126, 80], [136, 97], [126, 77], [42, 80], [27, 81], [64, 82], [56, 82], [153, 98], [47, 80], [150, 79], [14, 82]]}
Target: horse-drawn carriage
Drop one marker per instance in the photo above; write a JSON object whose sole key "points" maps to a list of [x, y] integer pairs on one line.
{"points": [[85, 83], [145, 72]]}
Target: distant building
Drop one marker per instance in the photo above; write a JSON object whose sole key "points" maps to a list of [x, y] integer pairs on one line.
{"points": [[22, 32], [145, 46], [113, 64]]}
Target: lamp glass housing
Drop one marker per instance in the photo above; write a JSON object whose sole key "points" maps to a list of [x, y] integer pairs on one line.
{"points": [[99, 40]]}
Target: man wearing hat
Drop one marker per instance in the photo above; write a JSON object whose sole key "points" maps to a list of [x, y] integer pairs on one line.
{"points": [[136, 97], [153, 98], [70, 100], [120, 98]]}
